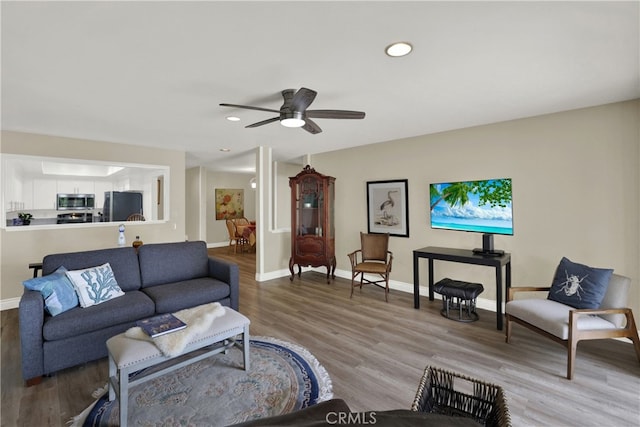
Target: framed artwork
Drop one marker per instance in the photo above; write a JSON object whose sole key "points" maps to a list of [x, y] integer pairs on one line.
{"points": [[229, 203], [388, 207]]}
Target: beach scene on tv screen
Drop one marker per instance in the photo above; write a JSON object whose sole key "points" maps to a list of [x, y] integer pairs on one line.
{"points": [[480, 206]]}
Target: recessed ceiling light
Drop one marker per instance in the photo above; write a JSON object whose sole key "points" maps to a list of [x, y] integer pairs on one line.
{"points": [[398, 49], [225, 150], [233, 118]]}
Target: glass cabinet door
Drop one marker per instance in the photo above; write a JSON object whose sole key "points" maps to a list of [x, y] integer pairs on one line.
{"points": [[310, 209], [331, 232]]}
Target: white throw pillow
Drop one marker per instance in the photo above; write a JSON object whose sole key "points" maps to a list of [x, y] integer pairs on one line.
{"points": [[95, 285]]}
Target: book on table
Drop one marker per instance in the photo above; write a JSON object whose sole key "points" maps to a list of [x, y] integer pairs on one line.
{"points": [[161, 324]]}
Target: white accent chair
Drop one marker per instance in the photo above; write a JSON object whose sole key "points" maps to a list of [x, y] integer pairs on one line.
{"points": [[567, 325]]}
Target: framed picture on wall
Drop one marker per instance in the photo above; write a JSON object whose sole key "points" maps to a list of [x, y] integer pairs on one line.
{"points": [[388, 207], [229, 203]]}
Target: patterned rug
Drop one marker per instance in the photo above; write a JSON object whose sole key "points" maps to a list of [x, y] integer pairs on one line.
{"points": [[216, 391]]}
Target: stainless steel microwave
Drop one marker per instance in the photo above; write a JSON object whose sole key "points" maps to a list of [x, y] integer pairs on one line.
{"points": [[75, 201]]}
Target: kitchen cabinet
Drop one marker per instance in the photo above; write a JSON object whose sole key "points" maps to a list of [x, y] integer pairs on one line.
{"points": [[44, 193], [40, 193], [76, 186], [14, 194], [312, 221]]}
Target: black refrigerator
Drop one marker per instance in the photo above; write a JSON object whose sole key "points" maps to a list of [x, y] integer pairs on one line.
{"points": [[118, 205]]}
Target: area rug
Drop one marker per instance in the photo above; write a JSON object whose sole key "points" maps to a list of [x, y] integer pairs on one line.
{"points": [[216, 391]]}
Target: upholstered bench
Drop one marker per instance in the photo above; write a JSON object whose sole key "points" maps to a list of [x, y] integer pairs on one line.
{"points": [[129, 355], [465, 295]]}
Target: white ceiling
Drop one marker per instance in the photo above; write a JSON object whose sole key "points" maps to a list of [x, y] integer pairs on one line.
{"points": [[153, 73]]}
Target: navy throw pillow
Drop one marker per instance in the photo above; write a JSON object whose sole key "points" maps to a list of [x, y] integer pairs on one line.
{"points": [[578, 285]]}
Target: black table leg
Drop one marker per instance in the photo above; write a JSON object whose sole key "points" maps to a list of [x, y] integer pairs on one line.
{"points": [[499, 297], [416, 281], [430, 279]]}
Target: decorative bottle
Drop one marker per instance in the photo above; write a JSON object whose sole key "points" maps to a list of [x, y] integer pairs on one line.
{"points": [[137, 243], [121, 239]]}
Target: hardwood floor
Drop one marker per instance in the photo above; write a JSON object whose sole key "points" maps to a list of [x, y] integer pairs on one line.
{"points": [[375, 353]]}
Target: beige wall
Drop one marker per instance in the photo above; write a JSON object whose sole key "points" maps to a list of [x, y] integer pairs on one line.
{"points": [[18, 248], [282, 195], [576, 192], [195, 211]]}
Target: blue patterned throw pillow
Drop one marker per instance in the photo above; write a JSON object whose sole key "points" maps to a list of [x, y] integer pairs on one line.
{"points": [[95, 285], [57, 291], [578, 285]]}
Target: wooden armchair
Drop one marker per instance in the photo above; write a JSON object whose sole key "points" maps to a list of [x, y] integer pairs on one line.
{"points": [[373, 257], [567, 325]]}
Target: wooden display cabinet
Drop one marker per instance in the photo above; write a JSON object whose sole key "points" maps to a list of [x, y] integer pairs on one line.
{"points": [[312, 222]]}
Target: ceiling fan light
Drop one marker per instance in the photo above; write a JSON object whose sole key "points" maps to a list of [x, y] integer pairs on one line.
{"points": [[399, 49], [293, 120], [292, 123]]}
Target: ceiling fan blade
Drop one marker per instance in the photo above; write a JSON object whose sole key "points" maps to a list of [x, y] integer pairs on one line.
{"points": [[287, 95], [335, 114], [264, 122], [311, 126], [248, 107], [302, 99]]}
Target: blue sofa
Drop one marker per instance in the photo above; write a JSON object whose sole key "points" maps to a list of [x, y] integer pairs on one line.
{"points": [[159, 278]]}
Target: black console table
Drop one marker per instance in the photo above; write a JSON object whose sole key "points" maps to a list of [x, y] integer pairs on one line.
{"points": [[465, 256]]}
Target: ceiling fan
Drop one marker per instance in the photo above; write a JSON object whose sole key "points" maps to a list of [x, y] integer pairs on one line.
{"points": [[294, 113]]}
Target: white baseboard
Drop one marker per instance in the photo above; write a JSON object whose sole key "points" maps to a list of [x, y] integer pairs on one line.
{"points": [[217, 245], [485, 304], [9, 303]]}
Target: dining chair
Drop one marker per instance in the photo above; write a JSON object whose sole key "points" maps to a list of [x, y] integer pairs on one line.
{"points": [[235, 239]]}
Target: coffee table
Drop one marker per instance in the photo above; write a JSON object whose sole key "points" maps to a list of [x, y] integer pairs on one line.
{"points": [[129, 355]]}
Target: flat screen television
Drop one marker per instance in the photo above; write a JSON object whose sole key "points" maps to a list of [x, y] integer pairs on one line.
{"points": [[478, 206]]}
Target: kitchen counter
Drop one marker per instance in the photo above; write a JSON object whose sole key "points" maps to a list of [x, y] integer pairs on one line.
{"points": [[34, 221], [45, 216]]}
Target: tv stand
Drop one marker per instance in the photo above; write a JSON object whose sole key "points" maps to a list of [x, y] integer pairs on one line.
{"points": [[487, 247], [481, 251]]}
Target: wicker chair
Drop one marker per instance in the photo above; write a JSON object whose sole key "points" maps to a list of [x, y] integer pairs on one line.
{"points": [[236, 239], [241, 221], [374, 258]]}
